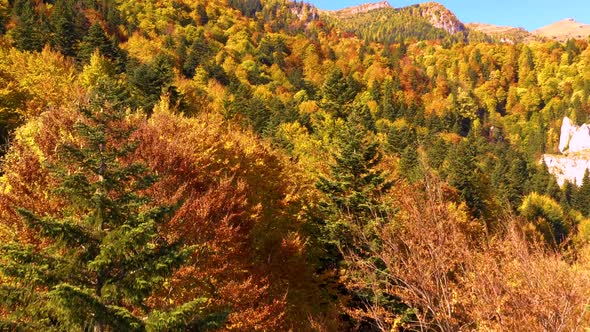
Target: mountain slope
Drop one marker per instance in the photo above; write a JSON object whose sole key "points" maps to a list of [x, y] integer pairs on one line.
{"points": [[564, 30], [439, 16], [381, 22], [364, 8], [504, 34]]}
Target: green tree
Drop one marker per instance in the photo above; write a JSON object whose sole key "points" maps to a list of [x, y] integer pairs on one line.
{"points": [[338, 93], [67, 24], [149, 81], [97, 39], [582, 198], [26, 34], [103, 254], [354, 188], [464, 174]]}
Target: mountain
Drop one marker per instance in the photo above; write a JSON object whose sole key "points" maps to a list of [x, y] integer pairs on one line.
{"points": [[504, 34], [364, 8], [439, 16], [564, 30], [380, 22]]}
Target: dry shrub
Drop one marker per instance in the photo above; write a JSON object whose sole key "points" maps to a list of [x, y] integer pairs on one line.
{"points": [[433, 258]]}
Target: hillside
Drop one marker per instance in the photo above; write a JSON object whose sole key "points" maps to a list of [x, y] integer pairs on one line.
{"points": [[259, 165], [564, 30], [355, 10], [438, 15], [505, 34], [383, 23]]}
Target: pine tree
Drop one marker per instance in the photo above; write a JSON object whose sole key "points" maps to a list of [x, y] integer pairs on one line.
{"points": [[354, 187], [97, 39], [582, 198], [464, 174], [26, 34], [338, 93], [149, 81], [66, 25], [96, 262]]}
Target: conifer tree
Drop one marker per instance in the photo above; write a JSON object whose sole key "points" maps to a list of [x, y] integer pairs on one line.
{"points": [[582, 198], [338, 93], [92, 266], [25, 34], [149, 81], [354, 187], [97, 39], [65, 21]]}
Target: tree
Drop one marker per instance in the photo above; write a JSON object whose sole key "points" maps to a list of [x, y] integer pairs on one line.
{"points": [[582, 198], [66, 24], [355, 186], [149, 81], [97, 39], [93, 263], [353, 203], [26, 34], [338, 93], [464, 174]]}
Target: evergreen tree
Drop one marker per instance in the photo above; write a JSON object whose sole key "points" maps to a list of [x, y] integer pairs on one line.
{"points": [[568, 194], [464, 174], [94, 264], [543, 182], [409, 164], [354, 188], [149, 81], [198, 54], [26, 34], [338, 93], [67, 26], [582, 198], [97, 39]]}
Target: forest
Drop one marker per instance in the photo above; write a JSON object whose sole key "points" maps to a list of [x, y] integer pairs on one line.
{"points": [[260, 165]]}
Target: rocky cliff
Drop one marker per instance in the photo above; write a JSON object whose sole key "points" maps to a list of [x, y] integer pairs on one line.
{"points": [[573, 138], [574, 144], [441, 17]]}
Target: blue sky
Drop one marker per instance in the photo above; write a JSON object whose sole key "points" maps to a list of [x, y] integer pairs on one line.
{"points": [[527, 14]]}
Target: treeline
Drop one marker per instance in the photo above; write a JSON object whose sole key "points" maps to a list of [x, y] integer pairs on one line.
{"points": [[248, 165]]}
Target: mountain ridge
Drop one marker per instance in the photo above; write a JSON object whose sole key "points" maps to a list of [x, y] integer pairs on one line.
{"points": [[564, 29], [441, 17]]}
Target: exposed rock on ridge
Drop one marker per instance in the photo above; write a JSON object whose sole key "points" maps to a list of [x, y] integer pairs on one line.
{"points": [[441, 17]]}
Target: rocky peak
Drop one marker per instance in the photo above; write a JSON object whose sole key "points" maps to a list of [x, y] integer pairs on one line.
{"points": [[441, 17]]}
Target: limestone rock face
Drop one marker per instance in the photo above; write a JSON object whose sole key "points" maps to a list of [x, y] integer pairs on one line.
{"points": [[574, 144], [573, 138], [569, 168]]}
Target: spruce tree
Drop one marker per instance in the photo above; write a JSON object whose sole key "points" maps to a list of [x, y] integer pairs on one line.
{"points": [[582, 198], [26, 34], [67, 26], [97, 39], [92, 266], [338, 93], [354, 187]]}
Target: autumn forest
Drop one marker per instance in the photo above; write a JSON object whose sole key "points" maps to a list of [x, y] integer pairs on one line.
{"points": [[262, 165]]}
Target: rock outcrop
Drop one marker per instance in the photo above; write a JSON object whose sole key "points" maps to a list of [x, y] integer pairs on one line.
{"points": [[441, 17], [574, 144], [573, 138], [571, 168]]}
